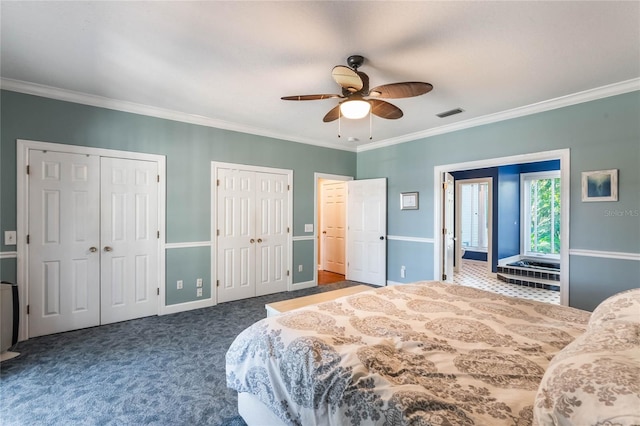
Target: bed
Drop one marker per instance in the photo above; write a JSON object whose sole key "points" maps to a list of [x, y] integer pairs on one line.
{"points": [[420, 354]]}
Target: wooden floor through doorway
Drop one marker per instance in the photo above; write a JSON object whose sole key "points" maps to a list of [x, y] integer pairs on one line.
{"points": [[326, 277]]}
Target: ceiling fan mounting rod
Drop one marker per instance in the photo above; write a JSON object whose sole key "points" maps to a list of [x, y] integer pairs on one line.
{"points": [[355, 61]]}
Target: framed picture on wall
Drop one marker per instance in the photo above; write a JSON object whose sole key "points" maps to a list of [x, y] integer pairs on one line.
{"points": [[600, 185], [408, 201]]}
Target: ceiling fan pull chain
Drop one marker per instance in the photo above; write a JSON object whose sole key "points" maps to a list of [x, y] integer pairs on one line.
{"points": [[339, 132], [370, 126]]}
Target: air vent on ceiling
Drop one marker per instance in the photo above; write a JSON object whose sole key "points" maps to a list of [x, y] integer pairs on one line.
{"points": [[450, 112]]}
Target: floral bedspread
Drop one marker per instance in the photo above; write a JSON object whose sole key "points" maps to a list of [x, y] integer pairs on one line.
{"points": [[421, 354]]}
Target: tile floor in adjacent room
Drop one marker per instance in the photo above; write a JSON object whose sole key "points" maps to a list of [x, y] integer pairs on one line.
{"points": [[476, 274]]}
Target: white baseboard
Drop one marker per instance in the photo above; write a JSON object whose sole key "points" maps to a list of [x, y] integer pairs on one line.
{"points": [[187, 306], [301, 285], [393, 283]]}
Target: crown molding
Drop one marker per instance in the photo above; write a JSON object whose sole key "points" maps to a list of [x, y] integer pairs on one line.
{"points": [[131, 107], [548, 105], [151, 111]]}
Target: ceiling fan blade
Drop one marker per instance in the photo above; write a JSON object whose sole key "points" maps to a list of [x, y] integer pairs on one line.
{"points": [[310, 97], [400, 90], [384, 109], [347, 78], [332, 115]]}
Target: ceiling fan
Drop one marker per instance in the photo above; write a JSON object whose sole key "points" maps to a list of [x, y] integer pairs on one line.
{"points": [[358, 99]]}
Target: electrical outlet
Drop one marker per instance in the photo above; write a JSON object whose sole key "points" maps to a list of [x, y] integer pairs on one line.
{"points": [[299, 268], [179, 284], [403, 271], [199, 292], [199, 282], [9, 238]]}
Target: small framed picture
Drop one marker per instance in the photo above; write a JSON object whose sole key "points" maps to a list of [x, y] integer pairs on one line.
{"points": [[408, 201], [600, 185]]}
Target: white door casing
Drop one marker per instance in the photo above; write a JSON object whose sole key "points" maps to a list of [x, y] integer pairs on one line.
{"points": [[367, 231], [29, 213], [448, 197], [129, 239], [333, 226], [251, 231], [564, 155], [64, 261]]}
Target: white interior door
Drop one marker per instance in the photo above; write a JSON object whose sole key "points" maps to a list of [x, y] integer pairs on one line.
{"points": [[271, 233], [252, 233], [236, 239], [448, 196], [63, 223], [129, 239], [367, 231], [333, 226]]}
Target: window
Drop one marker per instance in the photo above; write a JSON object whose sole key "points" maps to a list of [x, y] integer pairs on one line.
{"points": [[474, 229], [541, 213]]}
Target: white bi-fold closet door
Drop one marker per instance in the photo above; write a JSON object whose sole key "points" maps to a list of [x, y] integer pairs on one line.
{"points": [[93, 244], [252, 231]]}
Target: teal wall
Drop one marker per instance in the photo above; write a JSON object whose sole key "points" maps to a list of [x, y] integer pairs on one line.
{"points": [[189, 150], [602, 134]]}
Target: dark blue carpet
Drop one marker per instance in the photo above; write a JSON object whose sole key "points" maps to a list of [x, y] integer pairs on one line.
{"points": [[167, 370]]}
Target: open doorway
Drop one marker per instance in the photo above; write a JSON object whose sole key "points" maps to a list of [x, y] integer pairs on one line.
{"points": [[331, 206], [509, 222], [473, 225]]}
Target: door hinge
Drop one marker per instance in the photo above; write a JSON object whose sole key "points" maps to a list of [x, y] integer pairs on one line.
{"points": [[287, 272], [158, 178], [217, 182], [158, 291], [27, 239], [217, 232], [28, 169], [444, 185], [288, 230], [28, 309], [444, 231], [444, 277], [217, 283], [158, 234]]}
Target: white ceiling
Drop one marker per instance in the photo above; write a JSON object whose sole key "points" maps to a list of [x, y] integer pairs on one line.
{"points": [[226, 64]]}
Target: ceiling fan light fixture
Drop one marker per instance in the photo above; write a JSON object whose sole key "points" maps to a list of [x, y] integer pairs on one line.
{"points": [[355, 109]]}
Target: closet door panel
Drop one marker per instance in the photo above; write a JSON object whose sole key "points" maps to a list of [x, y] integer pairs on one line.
{"points": [[272, 233], [236, 257], [63, 223], [129, 239]]}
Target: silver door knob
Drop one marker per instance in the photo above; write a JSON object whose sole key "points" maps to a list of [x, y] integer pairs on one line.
{"points": [[107, 248], [252, 241], [259, 240], [93, 249]]}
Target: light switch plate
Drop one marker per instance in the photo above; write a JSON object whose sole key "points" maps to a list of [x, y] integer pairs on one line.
{"points": [[308, 227]]}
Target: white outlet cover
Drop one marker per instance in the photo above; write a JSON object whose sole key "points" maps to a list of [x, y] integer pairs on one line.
{"points": [[199, 292], [9, 238], [199, 282]]}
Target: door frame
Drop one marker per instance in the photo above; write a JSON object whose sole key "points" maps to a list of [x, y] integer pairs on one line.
{"points": [[215, 165], [316, 235], [23, 146], [458, 219], [564, 155]]}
